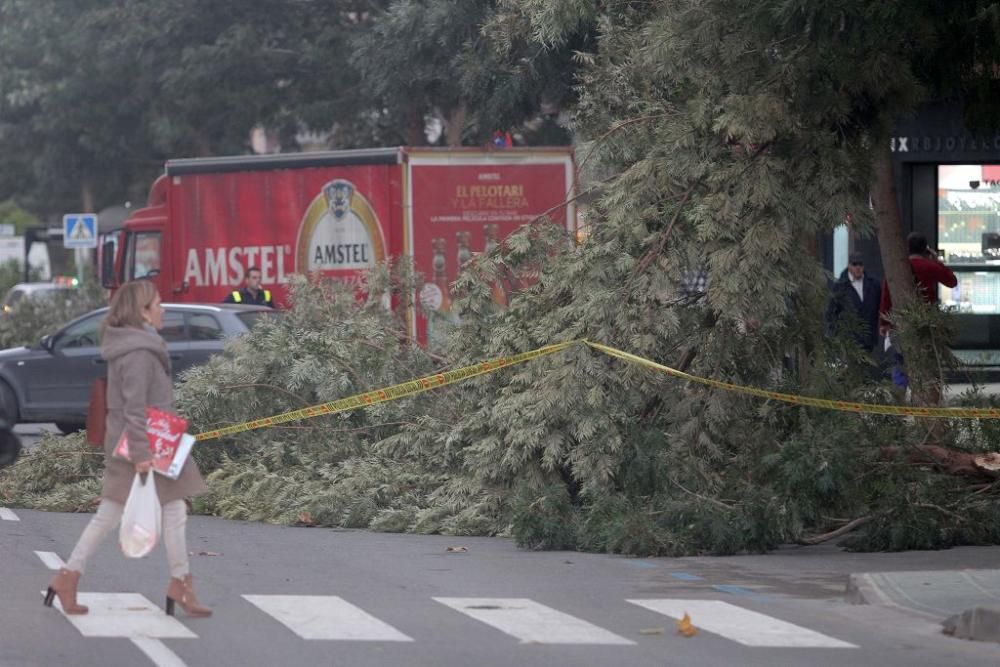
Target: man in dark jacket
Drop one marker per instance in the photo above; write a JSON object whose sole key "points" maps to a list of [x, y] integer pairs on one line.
{"points": [[251, 293], [855, 297]]}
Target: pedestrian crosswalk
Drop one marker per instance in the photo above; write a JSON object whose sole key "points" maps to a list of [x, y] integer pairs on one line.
{"points": [[126, 615], [532, 622], [332, 618], [325, 617], [744, 626]]}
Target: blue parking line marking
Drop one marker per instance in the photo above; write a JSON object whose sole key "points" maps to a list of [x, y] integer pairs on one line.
{"points": [[739, 590], [684, 576]]}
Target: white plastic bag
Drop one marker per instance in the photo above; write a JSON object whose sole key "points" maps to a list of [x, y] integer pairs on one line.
{"points": [[141, 519]]}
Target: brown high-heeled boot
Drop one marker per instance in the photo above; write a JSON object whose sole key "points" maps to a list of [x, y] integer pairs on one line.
{"points": [[64, 585], [181, 591]]}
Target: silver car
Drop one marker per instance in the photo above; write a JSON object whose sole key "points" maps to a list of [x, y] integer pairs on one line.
{"points": [[33, 291], [50, 381]]}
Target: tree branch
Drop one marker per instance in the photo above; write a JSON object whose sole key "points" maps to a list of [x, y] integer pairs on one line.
{"points": [[843, 530]]}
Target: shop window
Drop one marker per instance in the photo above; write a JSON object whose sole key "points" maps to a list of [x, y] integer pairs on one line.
{"points": [[969, 235]]}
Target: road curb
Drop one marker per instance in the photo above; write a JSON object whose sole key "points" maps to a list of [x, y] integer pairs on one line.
{"points": [[863, 588], [979, 624], [965, 602]]}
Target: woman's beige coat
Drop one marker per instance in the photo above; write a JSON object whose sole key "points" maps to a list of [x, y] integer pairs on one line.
{"points": [[139, 376]]}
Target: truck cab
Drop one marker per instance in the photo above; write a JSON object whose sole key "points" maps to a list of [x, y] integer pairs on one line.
{"points": [[139, 249]]}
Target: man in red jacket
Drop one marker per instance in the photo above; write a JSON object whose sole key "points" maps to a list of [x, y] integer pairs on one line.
{"points": [[929, 272]]}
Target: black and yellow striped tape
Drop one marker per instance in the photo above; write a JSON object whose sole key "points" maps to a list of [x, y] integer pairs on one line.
{"points": [[446, 378], [387, 394], [846, 406]]}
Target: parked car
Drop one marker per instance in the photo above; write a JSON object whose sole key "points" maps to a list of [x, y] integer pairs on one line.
{"points": [[50, 381], [23, 291]]}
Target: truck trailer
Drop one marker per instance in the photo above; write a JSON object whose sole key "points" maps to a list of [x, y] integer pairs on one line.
{"points": [[335, 213]]}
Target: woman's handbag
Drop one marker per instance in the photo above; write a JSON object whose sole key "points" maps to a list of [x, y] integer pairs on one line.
{"points": [[97, 412], [140, 529]]}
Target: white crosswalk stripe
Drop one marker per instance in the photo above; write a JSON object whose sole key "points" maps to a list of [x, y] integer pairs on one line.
{"points": [[532, 622], [128, 615], [8, 515], [51, 559], [157, 652], [326, 617], [741, 625]]}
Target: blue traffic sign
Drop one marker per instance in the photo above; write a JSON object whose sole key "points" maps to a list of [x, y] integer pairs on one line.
{"points": [[80, 230]]}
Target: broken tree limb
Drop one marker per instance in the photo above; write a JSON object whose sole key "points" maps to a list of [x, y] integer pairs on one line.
{"points": [[949, 460], [833, 534]]}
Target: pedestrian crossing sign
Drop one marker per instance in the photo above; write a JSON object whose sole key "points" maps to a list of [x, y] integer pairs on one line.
{"points": [[80, 230]]}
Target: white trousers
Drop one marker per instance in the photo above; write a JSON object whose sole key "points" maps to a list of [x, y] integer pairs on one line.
{"points": [[109, 513]]}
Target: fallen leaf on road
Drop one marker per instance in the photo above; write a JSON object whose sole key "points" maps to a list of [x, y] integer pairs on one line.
{"points": [[652, 631], [684, 626], [456, 550], [209, 553]]}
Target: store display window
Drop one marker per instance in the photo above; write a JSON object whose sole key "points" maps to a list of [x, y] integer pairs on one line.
{"points": [[969, 235]]}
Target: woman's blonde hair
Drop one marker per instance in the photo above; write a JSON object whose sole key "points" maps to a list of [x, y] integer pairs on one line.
{"points": [[128, 303]]}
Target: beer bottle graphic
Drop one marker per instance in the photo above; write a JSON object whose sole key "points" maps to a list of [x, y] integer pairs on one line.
{"points": [[440, 266], [491, 232], [464, 253], [434, 295]]}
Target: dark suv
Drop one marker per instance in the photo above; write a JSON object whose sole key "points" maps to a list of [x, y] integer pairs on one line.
{"points": [[50, 382]]}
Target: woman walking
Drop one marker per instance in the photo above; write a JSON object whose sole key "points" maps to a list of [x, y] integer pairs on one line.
{"points": [[138, 376]]}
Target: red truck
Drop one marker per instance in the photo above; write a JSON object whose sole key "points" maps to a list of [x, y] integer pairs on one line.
{"points": [[337, 213]]}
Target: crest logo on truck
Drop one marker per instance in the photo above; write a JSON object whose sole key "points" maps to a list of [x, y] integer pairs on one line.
{"points": [[339, 232]]}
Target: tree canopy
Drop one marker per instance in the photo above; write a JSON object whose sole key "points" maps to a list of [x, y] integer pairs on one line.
{"points": [[95, 95], [718, 139]]}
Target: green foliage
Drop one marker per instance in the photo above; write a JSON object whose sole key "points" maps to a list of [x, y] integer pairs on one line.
{"points": [[546, 522], [194, 79], [354, 469], [725, 137], [12, 214], [59, 474]]}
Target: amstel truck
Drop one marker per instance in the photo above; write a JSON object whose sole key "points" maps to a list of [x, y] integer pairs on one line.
{"points": [[337, 213]]}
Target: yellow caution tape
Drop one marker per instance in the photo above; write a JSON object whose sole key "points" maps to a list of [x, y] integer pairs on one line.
{"points": [[446, 378], [392, 393], [846, 406]]}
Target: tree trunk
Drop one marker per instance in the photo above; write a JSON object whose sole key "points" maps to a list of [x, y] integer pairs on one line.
{"points": [[87, 197], [980, 466], [899, 275], [889, 230], [456, 125], [202, 144], [415, 135]]}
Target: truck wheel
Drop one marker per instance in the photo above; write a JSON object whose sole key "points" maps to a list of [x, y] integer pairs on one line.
{"points": [[8, 405], [69, 427]]}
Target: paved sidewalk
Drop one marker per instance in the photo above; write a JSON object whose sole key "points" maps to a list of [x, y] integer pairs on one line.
{"points": [[961, 584], [936, 594]]}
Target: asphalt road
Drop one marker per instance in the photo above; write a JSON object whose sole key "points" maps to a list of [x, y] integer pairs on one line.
{"points": [[308, 596]]}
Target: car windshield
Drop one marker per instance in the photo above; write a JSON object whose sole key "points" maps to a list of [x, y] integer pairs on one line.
{"points": [[252, 317]]}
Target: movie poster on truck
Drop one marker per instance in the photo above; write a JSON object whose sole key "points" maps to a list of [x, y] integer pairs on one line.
{"points": [[461, 206]]}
